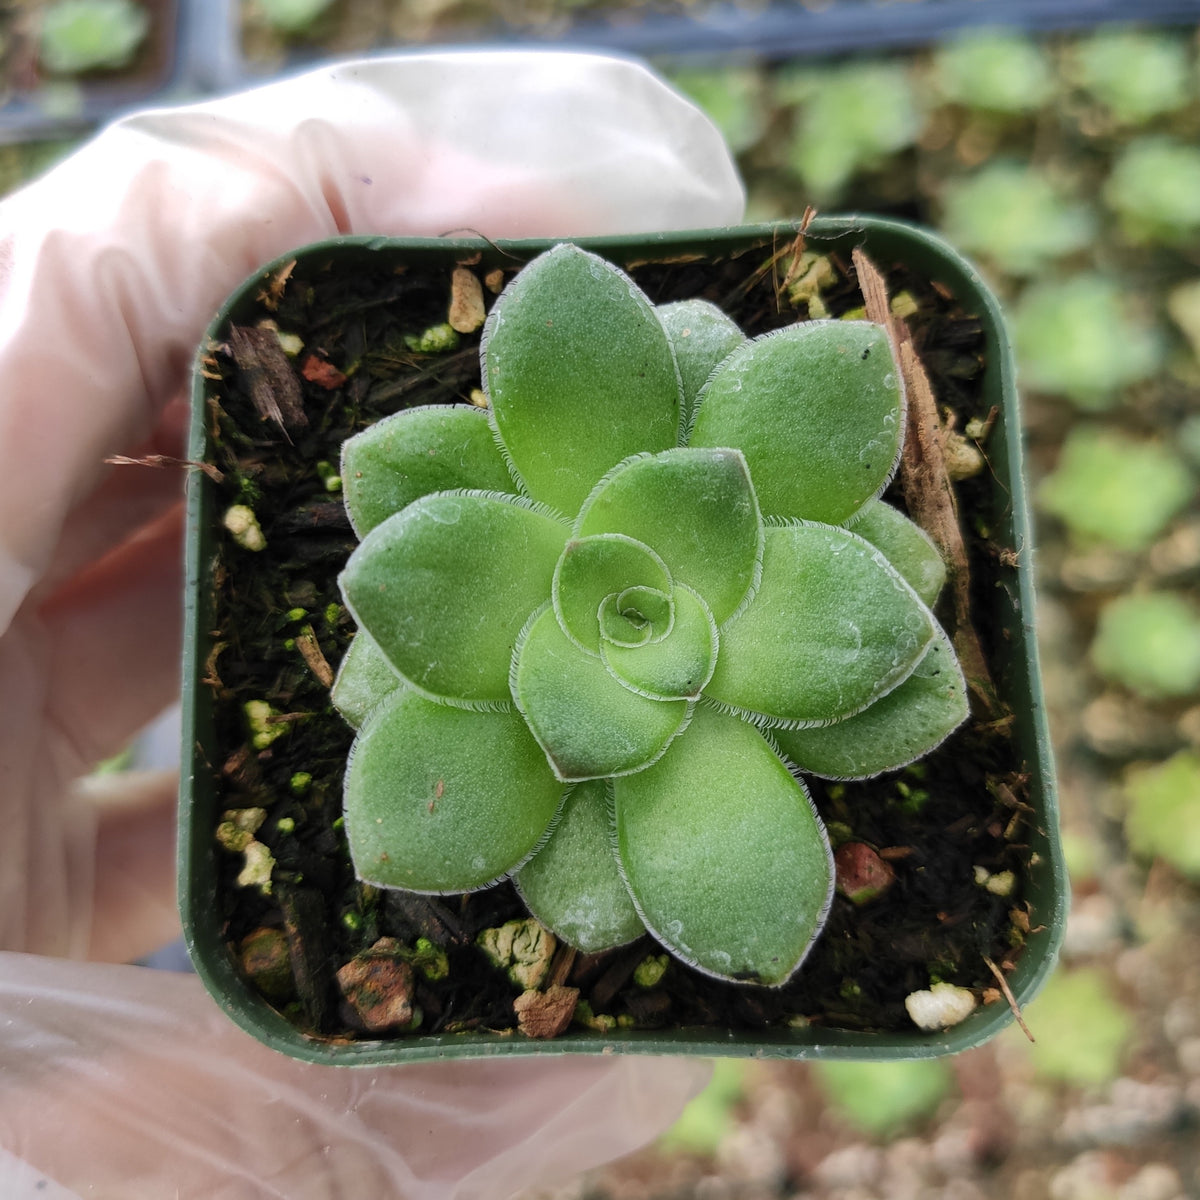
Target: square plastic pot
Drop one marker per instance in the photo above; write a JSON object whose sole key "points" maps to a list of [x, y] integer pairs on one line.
{"points": [[1009, 611]]}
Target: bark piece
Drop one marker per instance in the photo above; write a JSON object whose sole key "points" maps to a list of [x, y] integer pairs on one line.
{"points": [[545, 1014], [267, 373]]}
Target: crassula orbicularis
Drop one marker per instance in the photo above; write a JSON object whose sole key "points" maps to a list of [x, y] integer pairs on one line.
{"points": [[606, 624]]}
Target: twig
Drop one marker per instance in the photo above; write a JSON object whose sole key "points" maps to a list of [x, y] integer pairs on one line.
{"points": [[925, 482], [1012, 1000], [165, 460]]}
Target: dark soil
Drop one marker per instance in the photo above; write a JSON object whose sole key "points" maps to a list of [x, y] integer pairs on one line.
{"points": [[935, 822]]}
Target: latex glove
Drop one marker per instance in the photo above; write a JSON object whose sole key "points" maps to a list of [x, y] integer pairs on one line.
{"points": [[124, 1083]]}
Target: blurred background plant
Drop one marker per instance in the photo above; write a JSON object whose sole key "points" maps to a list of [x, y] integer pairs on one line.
{"points": [[1068, 165]]}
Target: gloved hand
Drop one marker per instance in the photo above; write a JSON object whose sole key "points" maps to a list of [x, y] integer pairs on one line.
{"points": [[126, 1083]]}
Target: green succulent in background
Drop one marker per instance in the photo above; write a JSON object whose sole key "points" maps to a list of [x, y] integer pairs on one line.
{"points": [[1136, 75], [849, 119], [995, 71], [884, 1098], [591, 618], [1154, 189], [91, 35], [1081, 1027], [1015, 216], [292, 16], [1150, 643], [732, 97], [1110, 489], [1162, 819], [1077, 338]]}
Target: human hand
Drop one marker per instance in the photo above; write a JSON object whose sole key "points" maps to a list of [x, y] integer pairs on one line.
{"points": [[123, 1082]]}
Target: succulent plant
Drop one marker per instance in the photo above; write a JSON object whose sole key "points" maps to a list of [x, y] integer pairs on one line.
{"points": [[849, 118], [1082, 338], [1154, 189], [996, 71], [1150, 642], [292, 16], [1135, 74], [1016, 216], [1110, 489], [603, 624], [90, 35]]}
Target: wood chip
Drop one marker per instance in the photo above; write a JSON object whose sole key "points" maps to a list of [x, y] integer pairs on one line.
{"points": [[546, 1014], [310, 651], [1012, 1000], [925, 484], [467, 312], [322, 372], [274, 388]]}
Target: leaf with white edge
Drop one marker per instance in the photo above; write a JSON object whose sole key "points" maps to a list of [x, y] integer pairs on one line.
{"points": [[701, 336], [593, 568], [636, 616], [723, 852], [445, 586], [437, 448], [363, 681], [817, 409], [588, 723], [579, 372], [904, 544], [694, 507], [441, 799], [573, 884], [904, 725], [679, 665], [832, 628]]}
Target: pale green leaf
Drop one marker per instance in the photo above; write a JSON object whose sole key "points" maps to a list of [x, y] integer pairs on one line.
{"points": [[579, 372], [701, 336], [588, 723], [904, 544], [677, 666], [593, 568], [573, 884], [696, 508], [817, 410], [636, 616], [363, 680], [445, 586], [437, 448], [723, 852], [906, 724], [832, 628], [442, 799]]}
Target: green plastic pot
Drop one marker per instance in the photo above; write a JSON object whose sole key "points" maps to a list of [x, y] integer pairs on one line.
{"points": [[1011, 608]]}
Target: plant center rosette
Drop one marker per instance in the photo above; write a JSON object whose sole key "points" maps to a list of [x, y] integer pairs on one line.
{"points": [[606, 624]]}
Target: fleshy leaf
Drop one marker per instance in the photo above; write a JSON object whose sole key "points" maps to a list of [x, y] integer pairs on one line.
{"points": [[724, 854], [442, 799], [437, 448], [444, 587], [817, 410], [701, 336], [573, 884], [694, 507], [832, 628], [593, 568], [579, 372], [364, 679], [589, 724], [904, 725], [904, 544], [680, 664]]}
